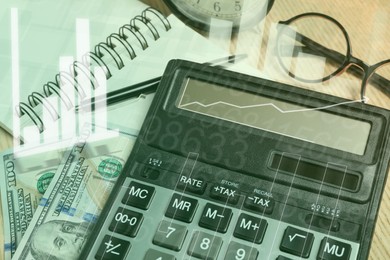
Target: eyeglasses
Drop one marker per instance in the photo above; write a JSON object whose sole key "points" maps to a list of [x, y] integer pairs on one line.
{"points": [[314, 47]]}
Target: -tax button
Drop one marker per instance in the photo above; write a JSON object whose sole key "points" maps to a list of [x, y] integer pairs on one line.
{"points": [[331, 249], [260, 203], [138, 195]]}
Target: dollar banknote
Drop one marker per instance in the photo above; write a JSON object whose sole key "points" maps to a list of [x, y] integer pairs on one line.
{"points": [[24, 177], [78, 188]]}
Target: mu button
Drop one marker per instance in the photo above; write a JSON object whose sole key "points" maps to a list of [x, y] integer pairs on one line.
{"points": [[215, 217], [331, 249]]}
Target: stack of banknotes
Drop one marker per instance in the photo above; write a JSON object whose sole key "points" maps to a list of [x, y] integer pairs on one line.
{"points": [[52, 195]]}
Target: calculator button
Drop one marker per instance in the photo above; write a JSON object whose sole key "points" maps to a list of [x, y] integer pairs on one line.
{"points": [[297, 242], [126, 222], [215, 217], [150, 173], [250, 228], [112, 248], [323, 222], [239, 251], [138, 195], [204, 246], [194, 185], [331, 249], [224, 194], [259, 203], [170, 235], [181, 208], [152, 254], [283, 258]]}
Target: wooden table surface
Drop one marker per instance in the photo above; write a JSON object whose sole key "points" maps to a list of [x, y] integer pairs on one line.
{"points": [[368, 25]]}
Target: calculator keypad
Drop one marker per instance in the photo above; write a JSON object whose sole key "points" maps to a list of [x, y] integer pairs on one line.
{"points": [[170, 235], [239, 251], [112, 248], [170, 225], [250, 228], [297, 242], [152, 254], [205, 246], [126, 222]]}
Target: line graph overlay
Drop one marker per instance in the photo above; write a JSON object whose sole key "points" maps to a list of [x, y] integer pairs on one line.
{"points": [[271, 105], [315, 125]]}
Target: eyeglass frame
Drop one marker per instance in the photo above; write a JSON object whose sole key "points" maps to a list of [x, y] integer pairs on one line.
{"points": [[349, 61]]}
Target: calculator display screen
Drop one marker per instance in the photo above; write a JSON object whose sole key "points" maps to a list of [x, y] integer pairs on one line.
{"points": [[273, 115]]}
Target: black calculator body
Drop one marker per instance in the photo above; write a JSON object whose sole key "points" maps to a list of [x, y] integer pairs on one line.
{"points": [[233, 167]]}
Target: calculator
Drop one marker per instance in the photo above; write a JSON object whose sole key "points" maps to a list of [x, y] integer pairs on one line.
{"points": [[229, 166]]}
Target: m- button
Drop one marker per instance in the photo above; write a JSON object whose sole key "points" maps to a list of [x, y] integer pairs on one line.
{"points": [[138, 195], [215, 217]]}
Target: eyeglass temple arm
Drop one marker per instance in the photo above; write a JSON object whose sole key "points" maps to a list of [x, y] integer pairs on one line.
{"points": [[315, 48]]}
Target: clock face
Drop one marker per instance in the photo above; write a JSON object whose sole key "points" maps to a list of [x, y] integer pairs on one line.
{"points": [[220, 13]]}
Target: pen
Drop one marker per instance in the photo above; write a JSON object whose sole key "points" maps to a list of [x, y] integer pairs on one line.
{"points": [[148, 86]]}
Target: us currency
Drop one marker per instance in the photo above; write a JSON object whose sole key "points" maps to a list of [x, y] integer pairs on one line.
{"points": [[24, 177], [77, 192]]}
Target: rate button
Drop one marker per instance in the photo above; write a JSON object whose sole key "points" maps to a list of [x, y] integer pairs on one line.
{"points": [[194, 185]]}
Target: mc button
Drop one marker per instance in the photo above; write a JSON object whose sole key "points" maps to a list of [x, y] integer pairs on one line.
{"points": [[138, 195]]}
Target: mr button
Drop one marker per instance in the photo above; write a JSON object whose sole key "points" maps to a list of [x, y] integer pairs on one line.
{"points": [[138, 195], [181, 208]]}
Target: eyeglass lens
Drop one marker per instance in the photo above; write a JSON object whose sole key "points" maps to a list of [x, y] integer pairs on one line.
{"points": [[310, 62], [314, 48], [380, 78]]}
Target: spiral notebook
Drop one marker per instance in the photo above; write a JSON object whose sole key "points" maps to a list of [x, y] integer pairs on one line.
{"points": [[58, 54]]}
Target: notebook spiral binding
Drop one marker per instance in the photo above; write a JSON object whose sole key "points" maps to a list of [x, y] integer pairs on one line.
{"points": [[143, 20]]}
